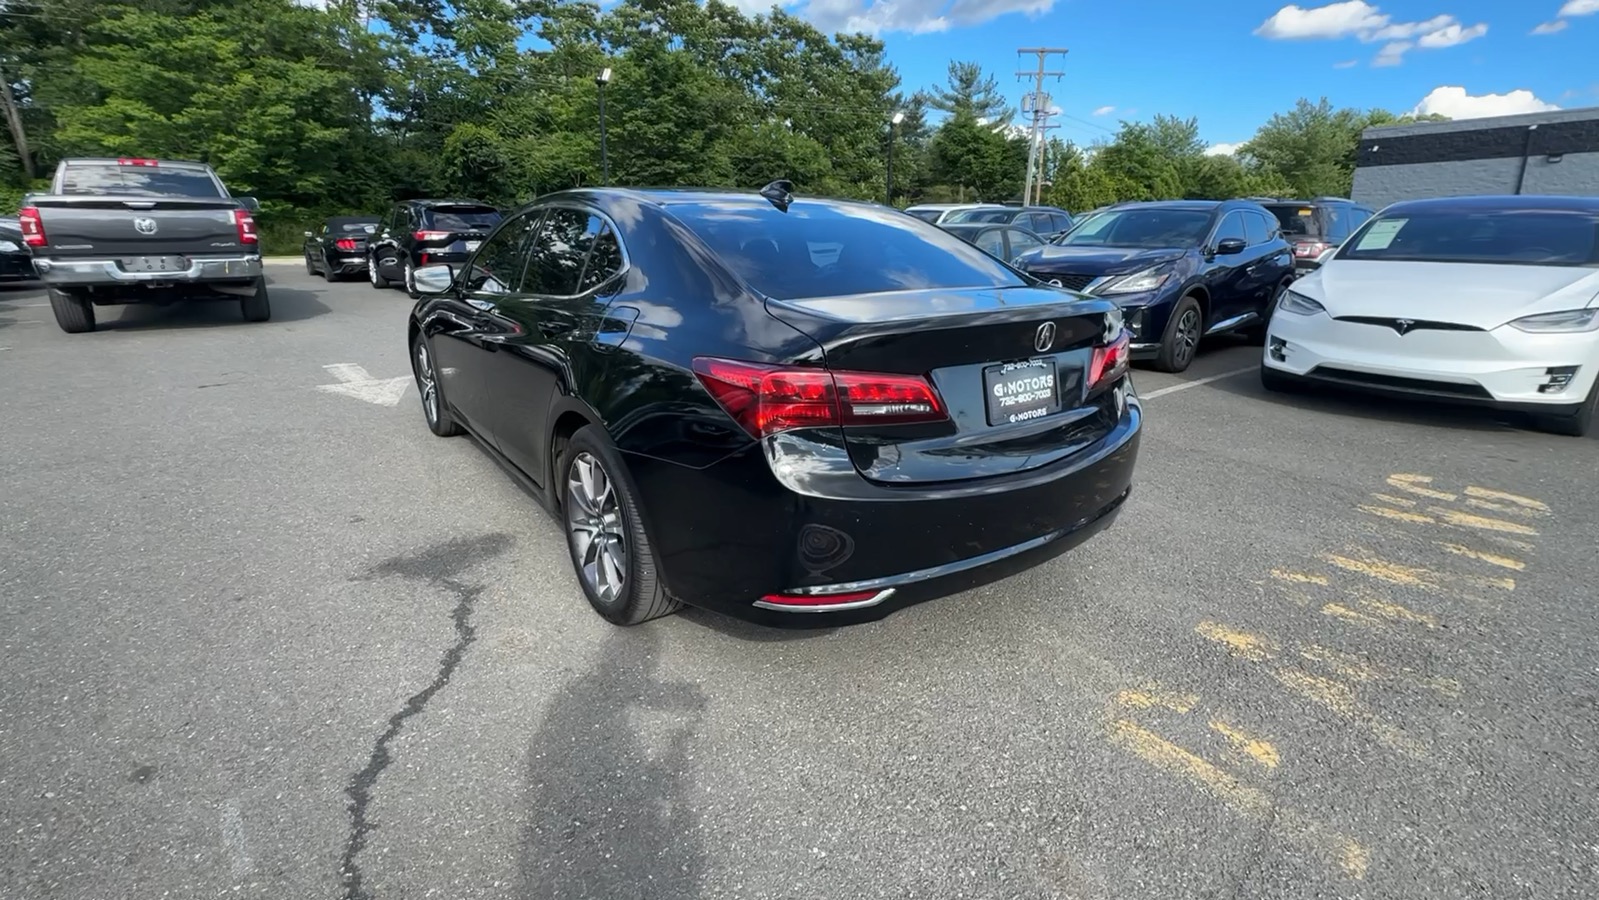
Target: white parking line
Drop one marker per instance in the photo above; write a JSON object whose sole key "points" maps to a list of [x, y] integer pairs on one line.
{"points": [[233, 839], [1195, 383]]}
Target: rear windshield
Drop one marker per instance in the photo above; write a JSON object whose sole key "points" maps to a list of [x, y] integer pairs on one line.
{"points": [[141, 181], [1296, 220], [461, 218], [823, 250], [982, 215], [926, 215], [354, 227], [1542, 237], [1153, 228]]}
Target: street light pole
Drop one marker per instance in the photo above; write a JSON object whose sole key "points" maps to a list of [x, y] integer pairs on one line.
{"points": [[893, 124], [600, 81]]}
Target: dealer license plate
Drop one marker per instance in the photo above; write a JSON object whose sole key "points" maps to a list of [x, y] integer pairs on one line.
{"points": [[473, 245], [1019, 391], [154, 263]]}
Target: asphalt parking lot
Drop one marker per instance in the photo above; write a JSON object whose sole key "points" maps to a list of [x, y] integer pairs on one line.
{"points": [[267, 637]]}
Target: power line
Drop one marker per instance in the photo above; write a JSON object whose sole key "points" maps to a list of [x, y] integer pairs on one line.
{"points": [[1041, 106]]}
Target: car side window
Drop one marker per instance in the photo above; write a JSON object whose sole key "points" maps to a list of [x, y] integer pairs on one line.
{"points": [[1231, 227], [1357, 217], [1255, 230], [991, 242], [555, 260], [1337, 223], [1063, 222], [605, 260], [1021, 242], [497, 267]]}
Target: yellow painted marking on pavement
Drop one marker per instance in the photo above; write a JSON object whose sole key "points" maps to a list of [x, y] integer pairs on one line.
{"points": [[1243, 799], [1417, 484], [1505, 508], [1393, 573], [1512, 543], [1340, 699], [1238, 643], [1349, 615], [1391, 500], [1492, 559], [1298, 577], [1397, 515], [1387, 609], [1259, 750], [1484, 523], [1481, 493], [1150, 698], [1348, 665]]}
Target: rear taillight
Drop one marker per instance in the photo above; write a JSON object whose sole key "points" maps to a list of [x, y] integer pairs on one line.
{"points": [[824, 602], [430, 235], [1109, 362], [245, 223], [32, 227], [345, 243], [1311, 249], [767, 399], [129, 161]]}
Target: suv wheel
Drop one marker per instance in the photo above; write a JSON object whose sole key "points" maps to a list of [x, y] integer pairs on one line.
{"points": [[378, 281], [437, 413], [410, 280], [1181, 339], [74, 314], [257, 308]]}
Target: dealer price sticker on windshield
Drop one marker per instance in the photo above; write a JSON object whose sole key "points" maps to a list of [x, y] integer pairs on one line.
{"points": [[1020, 391]]}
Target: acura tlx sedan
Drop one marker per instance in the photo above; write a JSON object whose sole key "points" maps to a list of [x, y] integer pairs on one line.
{"points": [[799, 412], [1491, 301]]}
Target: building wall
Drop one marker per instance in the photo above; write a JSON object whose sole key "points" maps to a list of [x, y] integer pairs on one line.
{"points": [[1480, 156]]}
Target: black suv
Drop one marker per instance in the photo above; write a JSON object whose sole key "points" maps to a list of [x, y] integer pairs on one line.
{"points": [[1315, 226], [1047, 222], [419, 233]]}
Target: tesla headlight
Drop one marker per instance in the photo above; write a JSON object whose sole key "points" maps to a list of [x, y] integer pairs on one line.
{"points": [[1567, 320], [1138, 282], [1299, 305], [9, 247]]}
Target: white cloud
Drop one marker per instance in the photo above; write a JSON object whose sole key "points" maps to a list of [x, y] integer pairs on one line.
{"points": [[1576, 8], [1455, 103], [913, 16], [1452, 35], [1550, 27], [1104, 110], [1346, 64], [1223, 149], [1398, 31], [1391, 54], [1334, 20]]}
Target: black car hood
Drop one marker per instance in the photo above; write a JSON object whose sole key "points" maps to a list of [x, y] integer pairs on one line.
{"points": [[1097, 260]]}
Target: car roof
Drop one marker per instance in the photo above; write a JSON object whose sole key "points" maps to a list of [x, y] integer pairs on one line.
{"points": [[1199, 205], [459, 201], [972, 227], [1496, 203], [160, 163]]}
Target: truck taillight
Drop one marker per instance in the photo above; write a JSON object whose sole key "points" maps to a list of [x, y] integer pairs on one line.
{"points": [[32, 227], [766, 399], [246, 225], [345, 243], [1110, 361], [1311, 249], [130, 161]]}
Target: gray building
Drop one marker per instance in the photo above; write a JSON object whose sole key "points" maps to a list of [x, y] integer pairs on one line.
{"points": [[1539, 153]]}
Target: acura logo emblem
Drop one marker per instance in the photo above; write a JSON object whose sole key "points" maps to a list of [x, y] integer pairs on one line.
{"points": [[1045, 338], [1404, 325], [144, 226]]}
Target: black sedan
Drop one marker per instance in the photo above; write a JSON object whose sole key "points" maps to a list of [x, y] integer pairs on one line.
{"points": [[16, 261], [999, 241], [800, 412], [338, 248]]}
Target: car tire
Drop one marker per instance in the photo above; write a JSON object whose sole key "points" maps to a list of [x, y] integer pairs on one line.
{"points": [[378, 281], [605, 533], [410, 281], [1180, 342], [327, 271], [1257, 333], [257, 308], [1280, 382], [74, 314], [1575, 425], [435, 411], [310, 267]]}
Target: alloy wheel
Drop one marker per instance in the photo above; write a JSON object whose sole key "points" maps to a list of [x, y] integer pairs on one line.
{"points": [[427, 383], [372, 270], [410, 277], [594, 520], [1187, 337]]}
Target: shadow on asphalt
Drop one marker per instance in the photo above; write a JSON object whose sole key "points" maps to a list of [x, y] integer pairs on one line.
{"points": [[607, 803], [739, 629], [288, 305], [1211, 346]]}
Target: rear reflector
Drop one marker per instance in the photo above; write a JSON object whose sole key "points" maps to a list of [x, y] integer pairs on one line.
{"points": [[766, 399], [245, 223], [430, 235], [130, 161], [824, 602], [345, 243], [32, 227], [1110, 361]]}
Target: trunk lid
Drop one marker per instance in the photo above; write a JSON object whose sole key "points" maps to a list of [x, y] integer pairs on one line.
{"points": [[77, 226], [986, 353]]}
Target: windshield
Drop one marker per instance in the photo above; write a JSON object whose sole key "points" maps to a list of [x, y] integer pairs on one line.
{"points": [[139, 181], [466, 218], [1537, 237], [1154, 228], [981, 215], [825, 250], [926, 215], [1296, 220]]}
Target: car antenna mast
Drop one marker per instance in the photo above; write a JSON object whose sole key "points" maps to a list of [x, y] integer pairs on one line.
{"points": [[780, 193]]}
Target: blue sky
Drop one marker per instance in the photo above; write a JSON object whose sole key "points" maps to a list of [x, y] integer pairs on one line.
{"points": [[1233, 63]]}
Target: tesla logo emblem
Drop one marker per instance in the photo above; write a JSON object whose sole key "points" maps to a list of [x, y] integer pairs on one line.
{"points": [[1404, 325], [144, 226], [1045, 338]]}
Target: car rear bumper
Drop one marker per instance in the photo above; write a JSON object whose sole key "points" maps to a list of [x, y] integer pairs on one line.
{"points": [[1501, 369], [729, 534], [16, 267], [201, 270]]}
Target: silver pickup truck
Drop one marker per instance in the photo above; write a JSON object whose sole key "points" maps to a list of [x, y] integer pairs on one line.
{"points": [[119, 231]]}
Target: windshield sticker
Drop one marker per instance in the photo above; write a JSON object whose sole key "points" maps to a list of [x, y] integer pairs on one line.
{"points": [[1381, 234]]}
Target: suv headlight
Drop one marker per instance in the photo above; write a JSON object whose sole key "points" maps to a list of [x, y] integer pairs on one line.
{"points": [[1299, 305], [1565, 321], [1136, 283]]}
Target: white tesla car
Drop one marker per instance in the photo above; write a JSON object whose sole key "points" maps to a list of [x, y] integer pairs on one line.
{"points": [[1491, 301]]}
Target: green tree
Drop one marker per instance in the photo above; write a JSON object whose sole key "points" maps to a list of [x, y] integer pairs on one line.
{"points": [[970, 92]]}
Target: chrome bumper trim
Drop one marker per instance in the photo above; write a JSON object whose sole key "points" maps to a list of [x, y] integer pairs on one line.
{"points": [[109, 271]]}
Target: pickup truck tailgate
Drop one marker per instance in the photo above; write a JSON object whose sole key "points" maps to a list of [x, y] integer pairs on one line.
{"points": [[100, 227]]}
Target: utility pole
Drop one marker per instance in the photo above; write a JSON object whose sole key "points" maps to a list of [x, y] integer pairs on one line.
{"points": [[1040, 107], [14, 120]]}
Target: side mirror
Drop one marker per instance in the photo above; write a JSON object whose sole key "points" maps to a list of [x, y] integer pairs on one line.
{"points": [[250, 204], [433, 280], [1230, 247]]}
